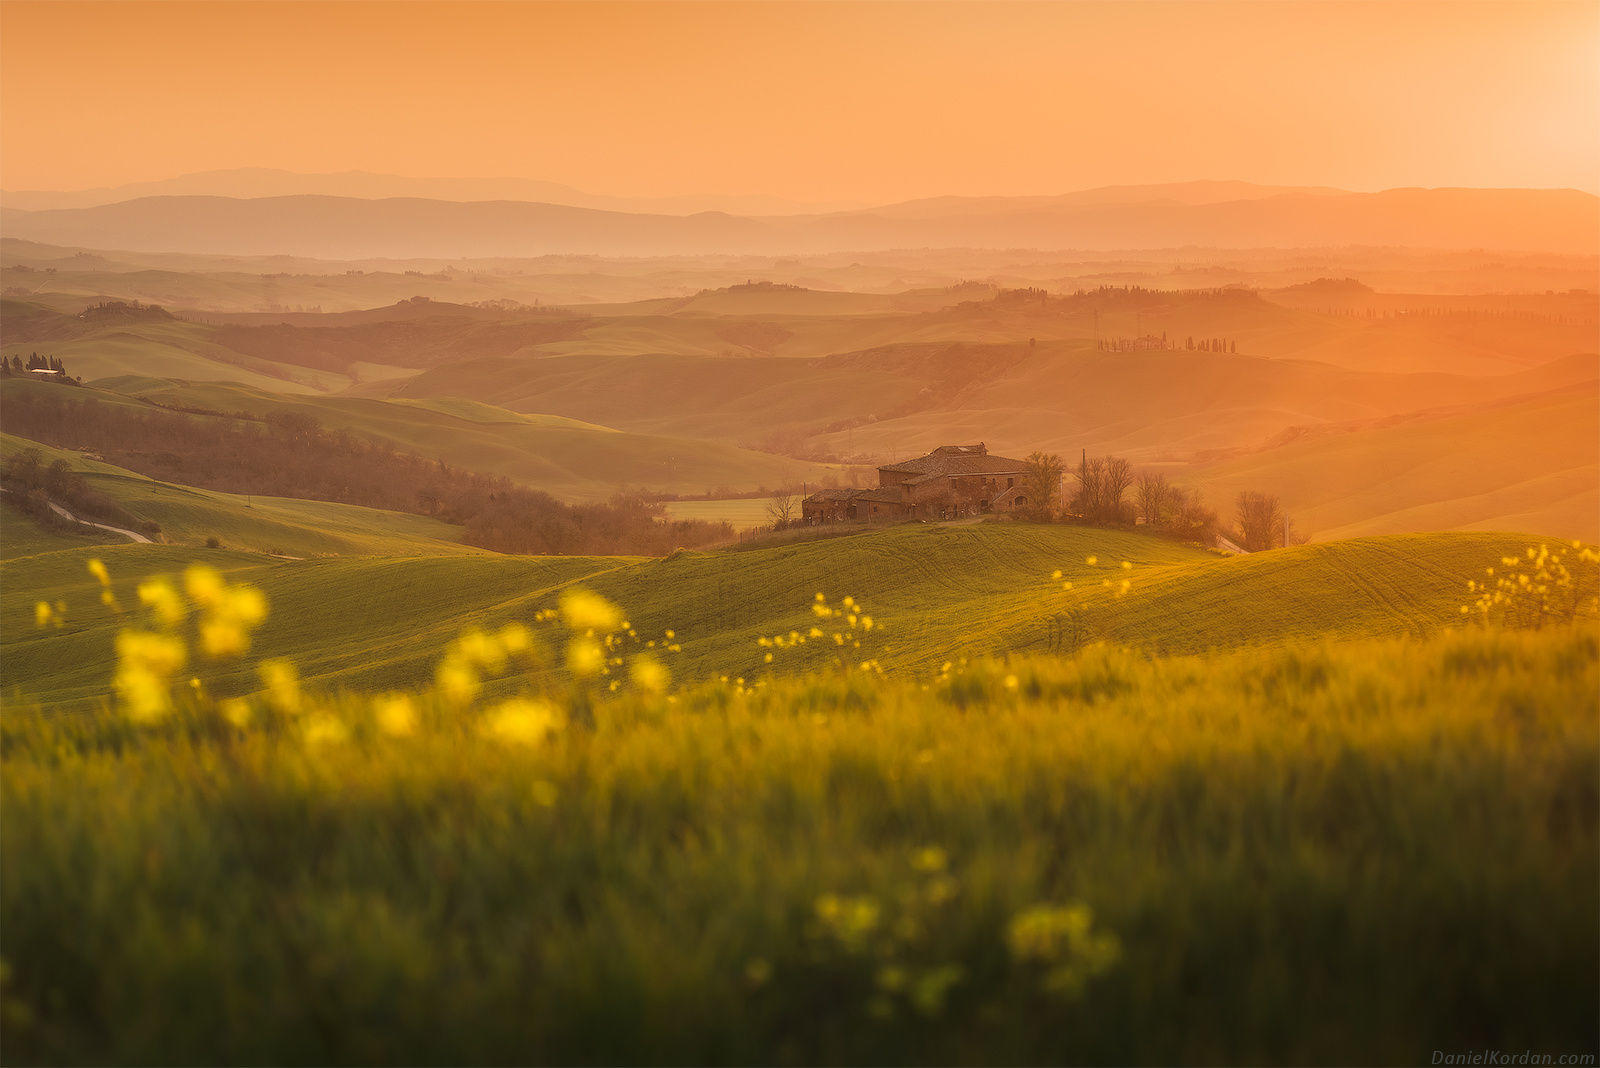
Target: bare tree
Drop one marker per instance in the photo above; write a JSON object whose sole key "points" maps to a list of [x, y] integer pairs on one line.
{"points": [[1091, 478], [1042, 483], [1102, 483], [1118, 477], [1153, 496], [780, 509], [1261, 521]]}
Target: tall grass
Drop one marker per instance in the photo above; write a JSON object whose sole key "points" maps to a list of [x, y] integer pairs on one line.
{"points": [[1354, 853]]}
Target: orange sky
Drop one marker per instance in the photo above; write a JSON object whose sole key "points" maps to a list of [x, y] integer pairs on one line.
{"points": [[869, 102]]}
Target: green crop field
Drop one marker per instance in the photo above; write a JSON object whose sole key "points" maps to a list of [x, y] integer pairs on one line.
{"points": [[936, 594], [1326, 853], [565, 457], [21, 536], [745, 513], [270, 525]]}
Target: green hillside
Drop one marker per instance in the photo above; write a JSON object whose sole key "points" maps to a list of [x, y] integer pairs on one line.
{"points": [[21, 536], [565, 457], [282, 526], [1329, 854], [150, 344], [936, 594]]}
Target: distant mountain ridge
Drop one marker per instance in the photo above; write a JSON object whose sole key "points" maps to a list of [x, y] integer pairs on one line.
{"points": [[255, 182], [1530, 220]]}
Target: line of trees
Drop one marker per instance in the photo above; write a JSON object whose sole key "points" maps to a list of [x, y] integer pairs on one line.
{"points": [[288, 454], [1108, 491], [32, 485], [36, 362]]}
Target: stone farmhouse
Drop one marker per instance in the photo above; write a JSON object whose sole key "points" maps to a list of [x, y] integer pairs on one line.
{"points": [[950, 482]]}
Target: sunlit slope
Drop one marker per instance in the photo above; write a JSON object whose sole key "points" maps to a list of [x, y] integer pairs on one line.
{"points": [[1532, 464], [21, 536], [936, 594], [1171, 405], [348, 621], [276, 525], [147, 343], [565, 457]]}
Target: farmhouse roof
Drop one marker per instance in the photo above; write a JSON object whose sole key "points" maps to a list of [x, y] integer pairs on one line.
{"points": [[957, 460]]}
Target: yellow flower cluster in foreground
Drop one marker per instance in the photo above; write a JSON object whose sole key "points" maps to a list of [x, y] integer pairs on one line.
{"points": [[844, 625], [203, 614], [1120, 587], [1544, 585]]}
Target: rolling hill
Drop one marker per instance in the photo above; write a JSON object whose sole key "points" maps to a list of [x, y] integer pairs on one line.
{"points": [[1554, 220], [1528, 463], [282, 526], [67, 277], [565, 457], [937, 593]]}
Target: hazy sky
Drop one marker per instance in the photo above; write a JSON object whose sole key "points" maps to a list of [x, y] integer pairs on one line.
{"points": [[868, 102]]}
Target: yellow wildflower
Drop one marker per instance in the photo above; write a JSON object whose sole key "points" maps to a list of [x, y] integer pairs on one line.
{"points": [[584, 611], [649, 674], [283, 684], [203, 584], [456, 680], [524, 720], [236, 711], [585, 658], [164, 602], [396, 715], [221, 637], [515, 638], [323, 728]]}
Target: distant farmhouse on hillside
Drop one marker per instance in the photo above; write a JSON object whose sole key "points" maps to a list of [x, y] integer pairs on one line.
{"points": [[950, 482]]}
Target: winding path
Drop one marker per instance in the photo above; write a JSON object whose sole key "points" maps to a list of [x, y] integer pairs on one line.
{"points": [[131, 535]]}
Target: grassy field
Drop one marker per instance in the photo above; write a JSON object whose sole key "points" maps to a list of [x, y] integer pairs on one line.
{"points": [[279, 526], [1525, 465], [936, 594], [20, 535], [565, 457], [745, 513], [1320, 853]]}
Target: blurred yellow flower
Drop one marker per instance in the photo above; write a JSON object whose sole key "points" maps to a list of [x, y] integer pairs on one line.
{"points": [[395, 714], [585, 658], [220, 638], [524, 720], [237, 712], [203, 584], [584, 611], [283, 684], [515, 638], [456, 680], [649, 674], [323, 728], [164, 602]]}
